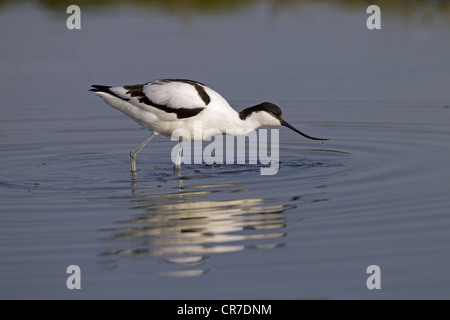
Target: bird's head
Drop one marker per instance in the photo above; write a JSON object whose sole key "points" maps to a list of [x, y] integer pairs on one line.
{"points": [[269, 114]]}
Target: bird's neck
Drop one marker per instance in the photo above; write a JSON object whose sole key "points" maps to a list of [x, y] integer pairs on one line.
{"points": [[247, 113], [244, 124]]}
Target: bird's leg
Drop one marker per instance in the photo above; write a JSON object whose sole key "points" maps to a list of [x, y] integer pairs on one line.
{"points": [[178, 162], [135, 151]]}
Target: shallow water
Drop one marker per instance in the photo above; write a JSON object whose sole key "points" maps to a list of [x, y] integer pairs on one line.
{"points": [[376, 193]]}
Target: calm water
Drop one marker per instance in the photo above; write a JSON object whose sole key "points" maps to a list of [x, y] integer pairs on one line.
{"points": [[377, 193]]}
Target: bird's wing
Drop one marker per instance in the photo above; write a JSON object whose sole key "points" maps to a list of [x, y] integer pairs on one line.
{"points": [[167, 99], [178, 93]]}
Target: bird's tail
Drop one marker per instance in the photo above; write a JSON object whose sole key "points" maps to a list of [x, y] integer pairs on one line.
{"points": [[100, 88]]}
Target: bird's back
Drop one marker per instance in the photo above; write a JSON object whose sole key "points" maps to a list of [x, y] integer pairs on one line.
{"points": [[169, 104]]}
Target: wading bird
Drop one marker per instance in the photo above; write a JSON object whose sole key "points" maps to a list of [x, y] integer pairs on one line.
{"points": [[163, 106]]}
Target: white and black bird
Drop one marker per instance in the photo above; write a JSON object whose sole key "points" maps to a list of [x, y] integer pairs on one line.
{"points": [[163, 106]]}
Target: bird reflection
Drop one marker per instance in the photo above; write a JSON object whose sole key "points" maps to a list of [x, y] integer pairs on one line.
{"points": [[185, 228]]}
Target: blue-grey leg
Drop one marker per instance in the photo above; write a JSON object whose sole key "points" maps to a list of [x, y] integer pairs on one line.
{"points": [[179, 154], [135, 151]]}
